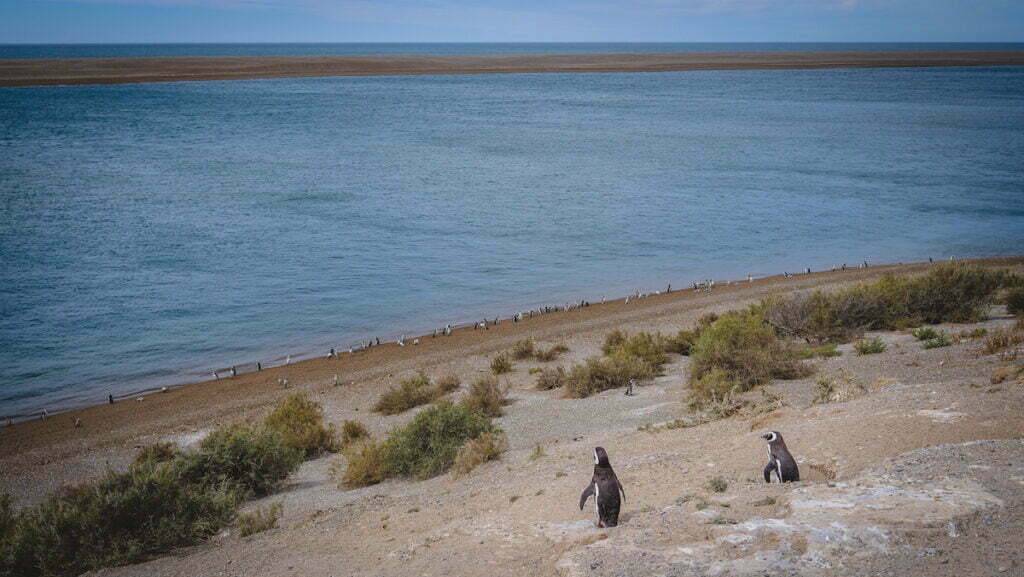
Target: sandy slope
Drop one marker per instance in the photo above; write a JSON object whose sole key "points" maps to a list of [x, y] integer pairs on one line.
{"points": [[882, 512]]}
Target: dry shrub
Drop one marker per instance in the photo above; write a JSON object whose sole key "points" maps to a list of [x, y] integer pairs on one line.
{"points": [[501, 364], [157, 453], [486, 447], [838, 388], [448, 384], [1001, 374], [353, 431], [551, 354], [486, 397], [550, 379], [413, 392], [1002, 339], [262, 519], [823, 351], [612, 341], [523, 349], [718, 485], [300, 420], [1015, 301], [827, 471], [366, 465], [638, 357]]}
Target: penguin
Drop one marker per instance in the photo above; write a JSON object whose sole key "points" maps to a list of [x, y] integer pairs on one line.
{"points": [[780, 461], [605, 488]]}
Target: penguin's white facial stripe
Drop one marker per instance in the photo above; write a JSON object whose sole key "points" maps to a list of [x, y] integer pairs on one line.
{"points": [[772, 436], [596, 460]]}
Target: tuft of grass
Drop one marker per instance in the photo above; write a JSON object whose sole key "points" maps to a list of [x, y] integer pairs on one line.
{"points": [[941, 339], [684, 499], [426, 447], [501, 364], [523, 349], [718, 485], [925, 333], [551, 354], [262, 519], [353, 431], [157, 453], [538, 452], [822, 351], [300, 421], [838, 388], [534, 370], [612, 341], [721, 520], [1002, 374], [550, 379], [484, 448], [413, 392], [869, 346], [766, 502], [486, 397], [561, 474]]}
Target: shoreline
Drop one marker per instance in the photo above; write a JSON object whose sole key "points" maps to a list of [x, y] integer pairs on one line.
{"points": [[83, 71], [235, 399], [388, 338]]}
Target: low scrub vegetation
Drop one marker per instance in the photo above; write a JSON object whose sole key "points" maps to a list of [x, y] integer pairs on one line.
{"points": [[167, 498], [1015, 301], [486, 447], [426, 447], [523, 349], [486, 397], [718, 485], [548, 379], [736, 353], [952, 292], [639, 356], [300, 420], [413, 392], [548, 355], [925, 333], [941, 339], [871, 346], [262, 519], [822, 351], [501, 364], [352, 432], [1002, 340]]}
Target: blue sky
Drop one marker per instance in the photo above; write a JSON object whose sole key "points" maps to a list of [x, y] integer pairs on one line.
{"points": [[44, 21]]}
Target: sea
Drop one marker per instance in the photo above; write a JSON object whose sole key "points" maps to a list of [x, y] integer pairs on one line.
{"points": [[153, 233]]}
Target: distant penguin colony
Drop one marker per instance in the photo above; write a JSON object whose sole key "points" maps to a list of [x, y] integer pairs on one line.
{"points": [[780, 462], [605, 488]]}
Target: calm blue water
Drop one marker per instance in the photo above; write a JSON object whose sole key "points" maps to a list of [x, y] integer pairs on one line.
{"points": [[283, 49], [151, 232]]}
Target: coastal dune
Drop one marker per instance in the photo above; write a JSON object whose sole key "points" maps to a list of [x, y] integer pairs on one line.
{"points": [[46, 71]]}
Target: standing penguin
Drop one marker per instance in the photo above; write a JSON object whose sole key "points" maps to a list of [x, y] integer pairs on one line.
{"points": [[605, 488], [780, 461]]}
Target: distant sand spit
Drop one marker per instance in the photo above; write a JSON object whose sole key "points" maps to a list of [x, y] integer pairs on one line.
{"points": [[44, 71]]}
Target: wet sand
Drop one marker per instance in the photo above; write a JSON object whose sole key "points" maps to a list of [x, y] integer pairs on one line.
{"points": [[41, 72]]}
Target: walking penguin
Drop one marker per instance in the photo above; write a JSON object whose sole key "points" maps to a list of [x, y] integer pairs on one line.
{"points": [[605, 488], [780, 461]]}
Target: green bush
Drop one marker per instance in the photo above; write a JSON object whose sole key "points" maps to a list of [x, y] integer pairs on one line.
{"points": [[122, 518], [869, 346], [681, 343], [300, 421], [551, 354], [248, 460], [427, 446], [744, 347], [501, 364], [925, 333], [523, 349], [413, 392], [639, 357], [644, 346], [1015, 301], [486, 397], [941, 339], [612, 341], [951, 292]]}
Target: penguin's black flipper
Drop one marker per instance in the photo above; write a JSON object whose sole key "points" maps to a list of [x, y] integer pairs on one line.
{"points": [[586, 494], [768, 471]]}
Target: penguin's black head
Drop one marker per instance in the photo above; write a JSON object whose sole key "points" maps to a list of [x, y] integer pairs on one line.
{"points": [[601, 457], [771, 437]]}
